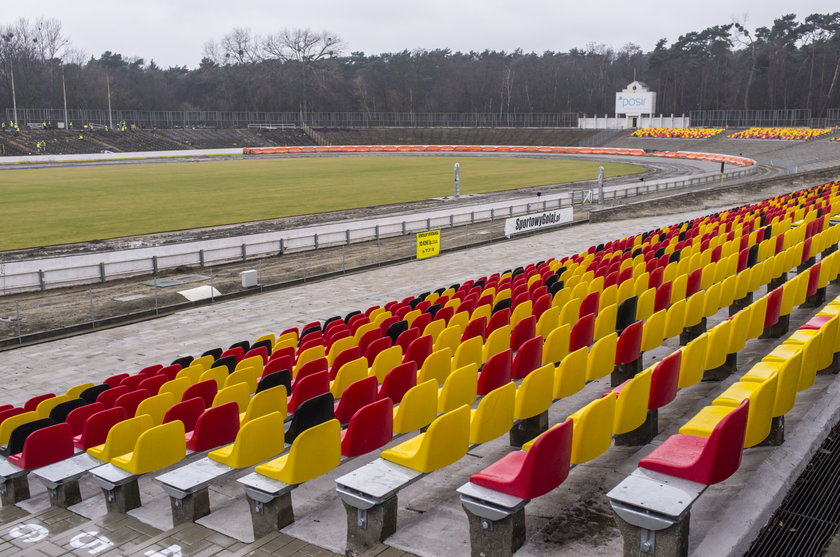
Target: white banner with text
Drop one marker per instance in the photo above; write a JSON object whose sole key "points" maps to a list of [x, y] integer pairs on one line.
{"points": [[536, 221]]}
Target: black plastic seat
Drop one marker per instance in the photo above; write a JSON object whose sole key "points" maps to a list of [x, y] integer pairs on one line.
{"points": [[59, 412], [215, 352], [626, 313], [351, 314], [396, 329], [265, 342], [228, 361], [310, 413], [433, 309], [21, 432], [243, 344], [502, 304], [556, 287], [91, 393], [184, 361], [282, 377], [312, 329]]}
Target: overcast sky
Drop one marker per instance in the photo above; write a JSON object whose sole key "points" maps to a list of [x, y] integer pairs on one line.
{"points": [[173, 32]]}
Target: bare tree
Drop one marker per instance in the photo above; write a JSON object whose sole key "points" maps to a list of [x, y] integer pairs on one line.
{"points": [[302, 45]]}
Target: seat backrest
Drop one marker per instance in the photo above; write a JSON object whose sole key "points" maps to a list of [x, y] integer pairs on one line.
{"points": [[203, 362], [601, 359], [205, 390], [527, 358], [349, 373], [592, 429], [121, 437], [91, 393], [398, 381], [314, 452], [493, 417], [130, 401], [59, 412], [436, 366], [407, 337], [76, 418], [385, 361], [115, 380], [445, 442], [278, 364], [307, 388], [228, 362], [459, 388], [249, 376], [266, 402], [418, 407], [153, 383], [355, 396], [370, 428], [495, 373], [419, 349], [45, 406], [236, 352], [395, 329], [213, 427], [582, 332], [524, 330], [156, 448], [280, 377], [309, 413], [629, 344], [187, 412], [469, 352], [76, 390], [176, 387], [183, 361], [156, 406], [256, 441], [95, 429], [533, 396], [631, 406], [348, 355], [45, 446], [110, 396], [18, 436], [239, 393], [722, 454], [169, 372], [217, 374]]}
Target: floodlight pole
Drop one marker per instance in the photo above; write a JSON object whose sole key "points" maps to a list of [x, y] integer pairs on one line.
{"points": [[64, 92], [601, 185], [110, 116], [457, 180], [14, 98]]}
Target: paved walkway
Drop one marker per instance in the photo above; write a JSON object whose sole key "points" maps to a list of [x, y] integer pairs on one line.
{"points": [[572, 520]]}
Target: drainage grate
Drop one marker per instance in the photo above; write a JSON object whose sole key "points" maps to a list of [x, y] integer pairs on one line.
{"points": [[810, 513]]}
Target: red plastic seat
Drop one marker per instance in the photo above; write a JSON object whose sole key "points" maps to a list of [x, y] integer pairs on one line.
{"points": [[9, 412], [706, 460], [77, 418], [656, 275], [664, 380], [496, 372], [308, 387], [444, 314], [589, 304], [45, 446], [533, 473], [306, 345], [407, 337], [419, 349], [816, 322], [261, 351], [527, 358], [357, 321], [215, 427], [148, 371], [524, 330], [356, 395], [115, 380], [375, 347], [153, 383], [337, 335], [352, 353], [693, 283], [387, 322], [205, 390], [542, 304], [109, 397], [186, 411], [96, 427], [31, 404], [582, 333], [498, 319], [774, 306], [283, 352], [130, 401], [278, 364], [370, 428], [662, 298], [813, 278], [170, 371], [311, 368], [237, 352], [421, 321], [398, 381], [475, 328], [629, 346], [132, 382]]}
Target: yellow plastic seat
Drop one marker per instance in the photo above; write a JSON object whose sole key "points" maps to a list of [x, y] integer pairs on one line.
{"points": [[520, 312], [270, 337], [653, 330], [593, 426], [203, 362], [460, 320], [349, 373], [608, 297], [363, 329], [76, 390], [742, 284], [548, 321], [570, 312], [675, 318], [380, 317], [238, 393], [534, 394], [290, 341], [340, 346], [192, 373], [45, 406], [605, 321], [434, 328], [810, 353], [693, 361], [625, 290], [257, 440], [727, 290], [758, 311], [497, 341], [493, 417], [9, 424], [176, 386], [561, 297], [711, 303], [417, 409], [762, 397], [450, 338], [739, 330], [250, 376], [631, 404], [827, 341], [411, 316], [481, 311], [570, 375], [264, 403], [156, 406], [314, 452], [385, 361], [469, 352], [694, 309], [503, 294], [436, 366], [678, 288], [445, 442], [122, 438], [156, 448], [601, 359], [719, 340], [556, 345], [217, 374], [313, 353], [788, 381], [460, 387], [252, 361]]}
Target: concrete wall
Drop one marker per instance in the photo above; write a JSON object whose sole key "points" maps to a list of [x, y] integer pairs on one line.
{"points": [[93, 157]]}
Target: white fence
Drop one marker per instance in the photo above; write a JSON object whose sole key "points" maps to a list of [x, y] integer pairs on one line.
{"points": [[606, 122], [40, 274]]}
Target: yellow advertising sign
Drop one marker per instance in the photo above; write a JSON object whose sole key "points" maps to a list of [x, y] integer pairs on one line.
{"points": [[428, 244]]}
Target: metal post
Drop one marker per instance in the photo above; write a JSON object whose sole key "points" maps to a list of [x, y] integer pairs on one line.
{"points": [[601, 184], [64, 92], [154, 264], [110, 118], [92, 316], [201, 257], [316, 240], [14, 98], [212, 296], [41, 280], [457, 180], [101, 271], [244, 254], [17, 321]]}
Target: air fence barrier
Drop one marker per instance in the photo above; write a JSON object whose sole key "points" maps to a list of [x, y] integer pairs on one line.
{"points": [[71, 270]]}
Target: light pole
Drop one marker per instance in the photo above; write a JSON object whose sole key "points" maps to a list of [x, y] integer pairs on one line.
{"points": [[64, 92], [110, 117], [14, 98]]}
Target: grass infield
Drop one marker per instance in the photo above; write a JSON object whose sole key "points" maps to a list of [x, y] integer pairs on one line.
{"points": [[47, 206]]}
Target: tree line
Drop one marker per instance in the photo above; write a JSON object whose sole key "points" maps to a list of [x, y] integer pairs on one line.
{"points": [[790, 64]]}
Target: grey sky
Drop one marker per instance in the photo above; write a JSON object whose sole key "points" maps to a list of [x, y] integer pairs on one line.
{"points": [[173, 32]]}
